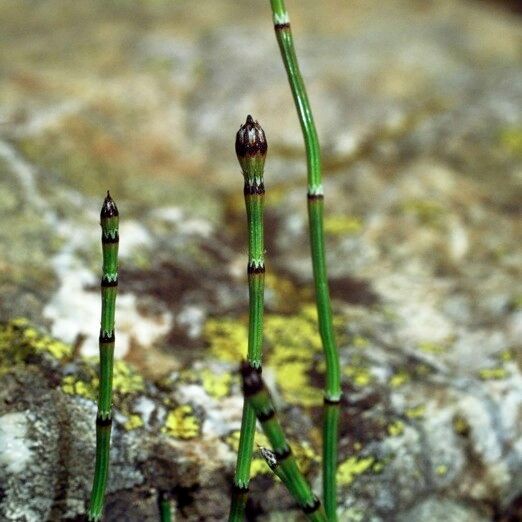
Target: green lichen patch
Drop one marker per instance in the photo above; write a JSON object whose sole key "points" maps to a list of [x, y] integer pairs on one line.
{"points": [[342, 225], [461, 425], [227, 339], [126, 380], [353, 467], [417, 412], [216, 384], [426, 212], [361, 342], [431, 347], [293, 349], [359, 376], [182, 423], [258, 465], [133, 422], [441, 470], [493, 374], [399, 379], [286, 294], [507, 355], [511, 140], [19, 339], [396, 428]]}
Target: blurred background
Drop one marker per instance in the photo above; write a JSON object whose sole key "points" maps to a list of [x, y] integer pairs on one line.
{"points": [[419, 111]]}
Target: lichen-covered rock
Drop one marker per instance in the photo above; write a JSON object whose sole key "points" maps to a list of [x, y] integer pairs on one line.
{"points": [[419, 115]]}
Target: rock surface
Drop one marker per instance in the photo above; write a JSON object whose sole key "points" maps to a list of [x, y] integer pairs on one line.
{"points": [[419, 111]]}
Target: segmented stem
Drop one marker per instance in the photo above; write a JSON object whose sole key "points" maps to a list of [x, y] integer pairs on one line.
{"points": [[332, 392], [283, 462], [109, 284], [251, 147], [312, 511]]}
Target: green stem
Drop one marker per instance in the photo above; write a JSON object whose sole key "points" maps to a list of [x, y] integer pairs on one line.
{"points": [[283, 462], [332, 391], [109, 284], [164, 508], [251, 150]]}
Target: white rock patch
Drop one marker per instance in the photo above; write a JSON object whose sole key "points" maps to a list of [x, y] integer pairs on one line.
{"points": [[14, 450]]}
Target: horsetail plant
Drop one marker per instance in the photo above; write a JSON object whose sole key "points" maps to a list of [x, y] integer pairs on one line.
{"points": [[109, 285], [332, 391], [251, 148], [281, 460]]}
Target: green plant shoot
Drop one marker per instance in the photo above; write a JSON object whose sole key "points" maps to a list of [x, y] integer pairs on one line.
{"points": [[283, 462], [251, 148], [109, 285], [332, 391]]}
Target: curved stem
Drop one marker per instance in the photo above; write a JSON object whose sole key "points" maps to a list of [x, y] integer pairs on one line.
{"points": [[332, 392], [283, 462]]}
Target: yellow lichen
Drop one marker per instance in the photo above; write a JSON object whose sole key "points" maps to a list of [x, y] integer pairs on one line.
{"points": [[488, 374], [215, 384], [422, 370], [298, 331], [258, 466], [460, 425], [431, 347], [360, 342], [441, 469], [126, 379], [227, 338], [352, 467], [342, 225], [426, 211], [293, 380], [73, 386], [506, 356], [305, 455], [516, 303], [181, 423], [287, 295], [56, 348], [293, 346], [416, 413], [358, 375], [399, 379], [396, 428], [133, 422], [22, 338], [20, 322], [511, 140], [378, 467]]}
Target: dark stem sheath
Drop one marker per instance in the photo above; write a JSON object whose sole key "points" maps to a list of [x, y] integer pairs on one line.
{"points": [[282, 460]]}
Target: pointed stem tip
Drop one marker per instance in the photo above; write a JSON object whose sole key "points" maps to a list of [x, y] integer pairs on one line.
{"points": [[250, 139], [109, 208], [269, 456]]}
